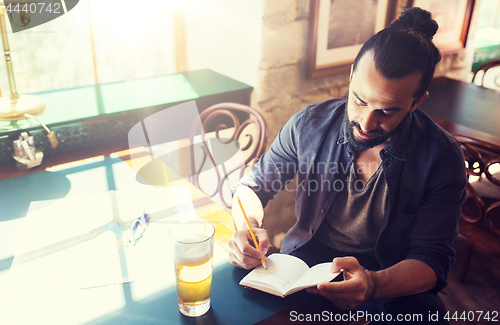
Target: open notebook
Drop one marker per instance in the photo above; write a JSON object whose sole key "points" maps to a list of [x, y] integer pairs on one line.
{"points": [[287, 274]]}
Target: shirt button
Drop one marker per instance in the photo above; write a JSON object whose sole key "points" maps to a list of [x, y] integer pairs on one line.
{"points": [[322, 211], [388, 165], [349, 154]]}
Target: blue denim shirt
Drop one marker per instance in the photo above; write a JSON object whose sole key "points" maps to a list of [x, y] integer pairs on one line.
{"points": [[423, 166]]}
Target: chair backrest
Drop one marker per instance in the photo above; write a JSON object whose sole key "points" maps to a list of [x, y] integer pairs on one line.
{"points": [[227, 145], [481, 158], [484, 68]]}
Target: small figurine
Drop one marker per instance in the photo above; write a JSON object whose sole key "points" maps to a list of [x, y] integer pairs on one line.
{"points": [[25, 153]]}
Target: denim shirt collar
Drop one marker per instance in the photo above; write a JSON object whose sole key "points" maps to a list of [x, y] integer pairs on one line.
{"points": [[343, 137], [398, 147], [343, 133]]}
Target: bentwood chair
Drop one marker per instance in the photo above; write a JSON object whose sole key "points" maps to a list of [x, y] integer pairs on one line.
{"points": [[227, 147], [480, 220], [494, 75]]}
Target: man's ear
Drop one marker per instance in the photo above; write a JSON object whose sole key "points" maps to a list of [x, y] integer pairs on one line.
{"points": [[419, 101]]}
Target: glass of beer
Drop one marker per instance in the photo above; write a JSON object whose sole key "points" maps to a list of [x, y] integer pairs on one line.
{"points": [[193, 259]]}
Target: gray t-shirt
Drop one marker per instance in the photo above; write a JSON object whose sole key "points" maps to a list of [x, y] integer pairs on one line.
{"points": [[353, 222]]}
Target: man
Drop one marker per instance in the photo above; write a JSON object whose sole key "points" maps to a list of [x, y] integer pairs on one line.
{"points": [[380, 185]]}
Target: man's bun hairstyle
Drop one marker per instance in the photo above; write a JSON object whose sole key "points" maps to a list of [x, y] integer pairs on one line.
{"points": [[416, 20], [405, 48]]}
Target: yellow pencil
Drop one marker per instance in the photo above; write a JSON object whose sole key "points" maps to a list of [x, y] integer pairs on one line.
{"points": [[251, 232]]}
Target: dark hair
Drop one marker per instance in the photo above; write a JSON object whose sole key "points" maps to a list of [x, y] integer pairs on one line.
{"points": [[405, 47]]}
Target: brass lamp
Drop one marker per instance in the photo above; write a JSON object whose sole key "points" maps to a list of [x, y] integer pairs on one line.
{"points": [[15, 106]]}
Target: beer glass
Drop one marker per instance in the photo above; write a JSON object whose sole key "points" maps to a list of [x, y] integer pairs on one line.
{"points": [[193, 259]]}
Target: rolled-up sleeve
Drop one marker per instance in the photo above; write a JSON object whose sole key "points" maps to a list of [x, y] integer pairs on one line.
{"points": [[436, 225]]}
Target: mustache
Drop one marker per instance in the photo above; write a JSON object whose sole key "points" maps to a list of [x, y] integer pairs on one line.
{"points": [[376, 133]]}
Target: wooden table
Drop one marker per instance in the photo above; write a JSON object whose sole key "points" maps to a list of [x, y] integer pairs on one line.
{"points": [[464, 108], [102, 169]]}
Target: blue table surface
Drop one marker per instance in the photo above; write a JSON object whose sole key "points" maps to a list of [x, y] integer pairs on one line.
{"points": [[231, 303]]}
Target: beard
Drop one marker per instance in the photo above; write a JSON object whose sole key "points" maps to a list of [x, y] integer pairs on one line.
{"points": [[378, 136]]}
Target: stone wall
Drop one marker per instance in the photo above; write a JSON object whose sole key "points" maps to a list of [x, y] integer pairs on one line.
{"points": [[224, 36], [283, 88]]}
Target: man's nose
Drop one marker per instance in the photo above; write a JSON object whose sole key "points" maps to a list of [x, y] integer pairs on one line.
{"points": [[368, 121]]}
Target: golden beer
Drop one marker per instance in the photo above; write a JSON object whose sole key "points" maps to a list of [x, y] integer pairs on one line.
{"points": [[193, 283], [193, 266]]}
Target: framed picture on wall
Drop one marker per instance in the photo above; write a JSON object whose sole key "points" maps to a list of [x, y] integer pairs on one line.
{"points": [[338, 29], [453, 18]]}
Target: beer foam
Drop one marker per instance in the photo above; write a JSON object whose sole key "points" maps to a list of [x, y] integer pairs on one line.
{"points": [[191, 252]]}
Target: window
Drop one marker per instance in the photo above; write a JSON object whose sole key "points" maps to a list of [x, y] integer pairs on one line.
{"points": [[487, 37], [131, 40]]}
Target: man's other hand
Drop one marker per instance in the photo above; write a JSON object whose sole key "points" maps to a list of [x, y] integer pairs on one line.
{"points": [[242, 252], [352, 291]]}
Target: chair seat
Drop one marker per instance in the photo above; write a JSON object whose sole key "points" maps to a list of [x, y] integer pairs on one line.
{"points": [[485, 188]]}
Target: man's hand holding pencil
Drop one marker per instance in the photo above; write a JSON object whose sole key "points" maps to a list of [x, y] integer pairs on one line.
{"points": [[248, 247], [242, 252]]}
